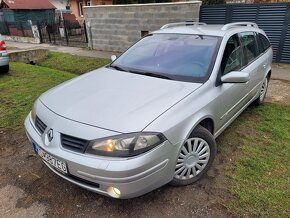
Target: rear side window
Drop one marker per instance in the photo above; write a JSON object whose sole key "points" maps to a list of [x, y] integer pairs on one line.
{"points": [[250, 46], [265, 44]]}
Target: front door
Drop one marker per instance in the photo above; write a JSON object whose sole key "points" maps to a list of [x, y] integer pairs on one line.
{"points": [[231, 95]]}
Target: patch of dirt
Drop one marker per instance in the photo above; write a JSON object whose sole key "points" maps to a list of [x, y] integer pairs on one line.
{"points": [[26, 184], [278, 92], [11, 195]]}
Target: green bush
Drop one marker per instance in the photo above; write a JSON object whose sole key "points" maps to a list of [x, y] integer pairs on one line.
{"points": [[213, 2]]}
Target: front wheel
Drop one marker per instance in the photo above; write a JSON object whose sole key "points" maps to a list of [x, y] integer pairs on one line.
{"points": [[263, 92], [195, 157]]}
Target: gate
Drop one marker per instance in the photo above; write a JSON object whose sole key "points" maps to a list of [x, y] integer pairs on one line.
{"points": [[63, 33], [273, 18]]}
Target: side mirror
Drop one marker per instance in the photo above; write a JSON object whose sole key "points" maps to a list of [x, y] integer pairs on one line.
{"points": [[236, 77], [113, 58]]}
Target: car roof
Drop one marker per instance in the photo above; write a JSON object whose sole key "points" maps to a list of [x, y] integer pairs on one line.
{"points": [[210, 30]]}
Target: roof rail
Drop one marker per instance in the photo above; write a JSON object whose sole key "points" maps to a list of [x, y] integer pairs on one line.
{"points": [[230, 25], [186, 23]]}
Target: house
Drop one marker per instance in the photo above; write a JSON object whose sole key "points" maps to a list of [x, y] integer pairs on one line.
{"points": [[61, 5], [18, 16], [24, 10], [76, 6]]}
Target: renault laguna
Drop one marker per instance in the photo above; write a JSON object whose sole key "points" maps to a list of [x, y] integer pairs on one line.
{"points": [[151, 116]]}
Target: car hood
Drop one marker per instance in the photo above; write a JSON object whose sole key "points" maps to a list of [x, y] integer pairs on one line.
{"points": [[115, 100]]}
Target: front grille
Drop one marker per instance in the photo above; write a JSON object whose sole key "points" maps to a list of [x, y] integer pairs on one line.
{"points": [[40, 125], [73, 143]]}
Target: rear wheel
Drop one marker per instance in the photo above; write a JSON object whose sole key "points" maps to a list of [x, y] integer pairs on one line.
{"points": [[263, 92], [195, 157], [4, 69]]}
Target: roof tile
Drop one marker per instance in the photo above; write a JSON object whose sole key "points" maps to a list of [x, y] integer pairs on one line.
{"points": [[29, 4]]}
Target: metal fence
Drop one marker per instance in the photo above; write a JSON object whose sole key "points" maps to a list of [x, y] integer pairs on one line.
{"points": [[55, 32], [64, 33], [273, 18], [16, 29]]}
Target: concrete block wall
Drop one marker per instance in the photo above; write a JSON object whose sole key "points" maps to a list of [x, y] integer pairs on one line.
{"points": [[117, 27], [28, 56]]}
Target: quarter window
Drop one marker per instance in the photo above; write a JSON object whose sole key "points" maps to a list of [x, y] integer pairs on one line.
{"points": [[249, 45], [233, 56], [264, 41], [260, 44]]}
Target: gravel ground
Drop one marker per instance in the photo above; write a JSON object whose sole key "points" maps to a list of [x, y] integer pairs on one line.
{"points": [[10, 196]]}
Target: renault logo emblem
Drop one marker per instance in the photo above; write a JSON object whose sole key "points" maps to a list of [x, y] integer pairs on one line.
{"points": [[50, 135]]}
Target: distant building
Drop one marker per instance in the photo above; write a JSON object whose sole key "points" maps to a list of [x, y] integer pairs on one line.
{"points": [[76, 6], [24, 10], [61, 5], [19, 17]]}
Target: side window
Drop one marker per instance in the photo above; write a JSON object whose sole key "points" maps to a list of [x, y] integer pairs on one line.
{"points": [[249, 45], [233, 56], [260, 44], [264, 41]]}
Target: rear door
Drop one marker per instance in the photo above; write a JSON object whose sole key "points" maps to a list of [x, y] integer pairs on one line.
{"points": [[265, 53], [254, 62]]}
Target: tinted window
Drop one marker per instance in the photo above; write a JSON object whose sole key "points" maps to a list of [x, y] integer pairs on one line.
{"points": [[178, 56], [260, 44], [264, 41], [233, 56], [250, 46]]}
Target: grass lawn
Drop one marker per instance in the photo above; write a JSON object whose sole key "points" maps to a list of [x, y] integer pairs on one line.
{"points": [[21, 87], [72, 63], [258, 172]]}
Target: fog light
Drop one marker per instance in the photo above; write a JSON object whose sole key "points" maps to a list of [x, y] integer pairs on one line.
{"points": [[114, 192]]}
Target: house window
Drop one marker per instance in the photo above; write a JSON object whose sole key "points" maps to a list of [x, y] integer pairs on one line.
{"points": [[88, 3], [80, 5]]}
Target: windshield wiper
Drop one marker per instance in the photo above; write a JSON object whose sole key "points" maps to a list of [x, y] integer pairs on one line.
{"points": [[140, 72], [151, 74], [118, 68]]}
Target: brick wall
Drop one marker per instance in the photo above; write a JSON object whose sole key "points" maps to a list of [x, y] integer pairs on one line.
{"points": [[115, 28]]}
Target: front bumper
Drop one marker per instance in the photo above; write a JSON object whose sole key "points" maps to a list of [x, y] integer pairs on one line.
{"points": [[133, 176]]}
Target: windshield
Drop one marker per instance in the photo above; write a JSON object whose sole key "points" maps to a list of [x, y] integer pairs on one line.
{"points": [[173, 56]]}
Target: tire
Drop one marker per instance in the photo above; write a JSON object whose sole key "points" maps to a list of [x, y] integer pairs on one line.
{"points": [[4, 69], [192, 162], [262, 93]]}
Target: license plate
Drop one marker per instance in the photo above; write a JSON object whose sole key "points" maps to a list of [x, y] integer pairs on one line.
{"points": [[51, 160]]}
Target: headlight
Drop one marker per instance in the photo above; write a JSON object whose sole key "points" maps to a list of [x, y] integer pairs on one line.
{"points": [[126, 145], [33, 112]]}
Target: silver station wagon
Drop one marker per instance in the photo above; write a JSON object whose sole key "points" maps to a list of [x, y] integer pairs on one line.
{"points": [[151, 117]]}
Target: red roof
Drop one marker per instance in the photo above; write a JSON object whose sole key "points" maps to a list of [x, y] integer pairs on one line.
{"points": [[29, 4]]}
